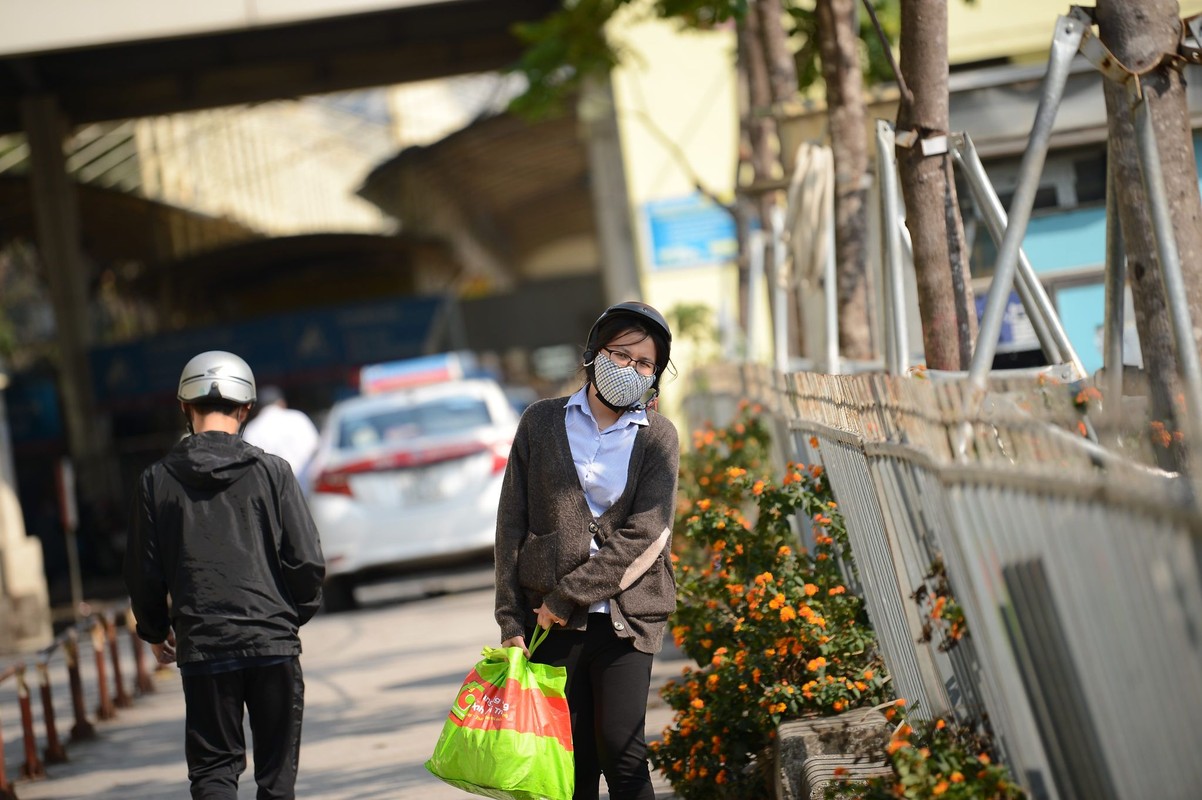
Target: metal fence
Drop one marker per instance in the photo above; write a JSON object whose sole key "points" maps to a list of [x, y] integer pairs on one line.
{"points": [[1079, 573], [93, 671]]}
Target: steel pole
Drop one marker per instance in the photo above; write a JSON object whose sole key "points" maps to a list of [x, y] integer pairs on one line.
{"points": [[1065, 43], [776, 290], [831, 279], [1170, 270], [1051, 334], [897, 346], [755, 290], [1116, 295]]}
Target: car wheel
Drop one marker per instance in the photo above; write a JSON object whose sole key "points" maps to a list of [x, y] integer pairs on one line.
{"points": [[338, 594]]}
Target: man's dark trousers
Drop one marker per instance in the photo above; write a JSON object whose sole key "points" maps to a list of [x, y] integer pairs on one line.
{"points": [[274, 697]]}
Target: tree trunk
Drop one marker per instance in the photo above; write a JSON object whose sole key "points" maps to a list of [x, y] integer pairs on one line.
{"points": [[945, 301], [780, 68], [781, 73], [839, 45], [765, 145], [1138, 34], [761, 129]]}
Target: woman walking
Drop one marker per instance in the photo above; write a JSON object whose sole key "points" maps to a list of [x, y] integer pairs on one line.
{"points": [[584, 543]]}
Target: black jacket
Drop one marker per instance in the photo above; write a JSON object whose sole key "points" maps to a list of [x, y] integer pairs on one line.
{"points": [[223, 528]]}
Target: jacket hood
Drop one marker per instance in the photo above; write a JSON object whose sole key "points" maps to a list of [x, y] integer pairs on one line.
{"points": [[211, 460]]}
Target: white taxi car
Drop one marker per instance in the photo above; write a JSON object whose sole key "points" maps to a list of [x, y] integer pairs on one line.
{"points": [[408, 479]]}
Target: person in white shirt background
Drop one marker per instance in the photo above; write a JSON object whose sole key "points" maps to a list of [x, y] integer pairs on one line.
{"points": [[282, 431]]}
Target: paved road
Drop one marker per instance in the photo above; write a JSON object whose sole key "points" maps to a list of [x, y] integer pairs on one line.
{"points": [[378, 683]]}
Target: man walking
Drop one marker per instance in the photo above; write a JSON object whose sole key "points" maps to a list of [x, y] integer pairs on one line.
{"points": [[221, 528], [284, 431]]}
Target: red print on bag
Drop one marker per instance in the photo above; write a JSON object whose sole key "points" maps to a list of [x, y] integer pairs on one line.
{"points": [[484, 706]]}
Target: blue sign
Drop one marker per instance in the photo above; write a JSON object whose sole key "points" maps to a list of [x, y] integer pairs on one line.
{"points": [[1017, 334], [689, 232], [316, 342], [33, 412]]}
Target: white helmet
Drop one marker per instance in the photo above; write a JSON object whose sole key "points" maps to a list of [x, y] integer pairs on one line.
{"points": [[217, 376]]}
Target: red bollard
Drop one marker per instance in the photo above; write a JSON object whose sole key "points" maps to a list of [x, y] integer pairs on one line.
{"points": [[82, 729], [6, 789], [143, 682], [122, 698], [32, 769], [54, 753], [104, 709]]}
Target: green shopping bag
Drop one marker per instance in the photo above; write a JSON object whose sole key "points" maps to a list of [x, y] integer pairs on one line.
{"points": [[509, 733]]}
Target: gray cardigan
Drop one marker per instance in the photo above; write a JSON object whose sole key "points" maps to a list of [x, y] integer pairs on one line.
{"points": [[544, 525]]}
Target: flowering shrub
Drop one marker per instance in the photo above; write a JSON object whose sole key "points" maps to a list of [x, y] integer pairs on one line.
{"points": [[940, 761], [943, 615], [773, 629]]}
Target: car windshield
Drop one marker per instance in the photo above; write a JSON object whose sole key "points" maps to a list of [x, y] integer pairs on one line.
{"points": [[378, 426]]}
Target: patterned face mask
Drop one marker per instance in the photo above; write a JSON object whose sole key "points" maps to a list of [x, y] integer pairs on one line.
{"points": [[619, 386]]}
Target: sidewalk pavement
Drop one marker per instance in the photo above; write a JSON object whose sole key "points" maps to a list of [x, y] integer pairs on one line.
{"points": [[379, 682]]}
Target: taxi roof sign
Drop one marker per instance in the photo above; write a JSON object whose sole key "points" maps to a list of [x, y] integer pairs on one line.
{"points": [[390, 376]]}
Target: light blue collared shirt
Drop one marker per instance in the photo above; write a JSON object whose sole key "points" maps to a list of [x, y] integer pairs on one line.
{"points": [[602, 457]]}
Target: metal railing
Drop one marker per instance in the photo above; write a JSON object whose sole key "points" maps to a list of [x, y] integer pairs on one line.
{"points": [[102, 631], [1079, 573]]}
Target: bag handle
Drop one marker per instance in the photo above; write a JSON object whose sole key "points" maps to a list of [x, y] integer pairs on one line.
{"points": [[540, 633]]}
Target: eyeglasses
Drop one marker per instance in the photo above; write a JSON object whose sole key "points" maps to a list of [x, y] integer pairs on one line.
{"points": [[641, 366]]}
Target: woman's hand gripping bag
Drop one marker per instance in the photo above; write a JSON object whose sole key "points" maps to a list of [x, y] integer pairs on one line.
{"points": [[509, 733]]}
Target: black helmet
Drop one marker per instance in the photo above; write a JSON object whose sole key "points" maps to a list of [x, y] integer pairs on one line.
{"points": [[216, 376], [637, 310]]}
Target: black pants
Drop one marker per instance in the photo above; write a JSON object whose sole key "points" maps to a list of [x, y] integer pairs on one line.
{"points": [[214, 743], [608, 681]]}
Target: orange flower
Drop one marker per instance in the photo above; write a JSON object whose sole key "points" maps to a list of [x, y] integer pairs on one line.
{"points": [[957, 777], [939, 788], [895, 745], [697, 703], [704, 504], [757, 488], [811, 590], [940, 725], [787, 614], [814, 442], [984, 758]]}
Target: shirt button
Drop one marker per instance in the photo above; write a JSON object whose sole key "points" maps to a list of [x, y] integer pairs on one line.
{"points": [[592, 526], [619, 626]]}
